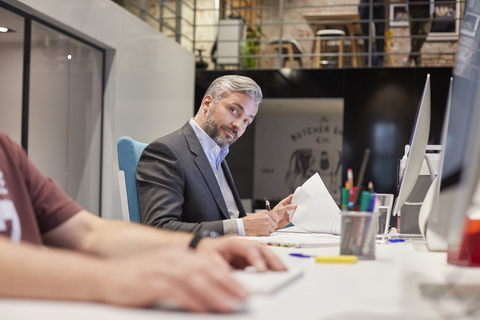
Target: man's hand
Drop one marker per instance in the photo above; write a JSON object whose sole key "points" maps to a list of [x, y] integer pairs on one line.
{"points": [[261, 223], [281, 211], [240, 253], [176, 277]]}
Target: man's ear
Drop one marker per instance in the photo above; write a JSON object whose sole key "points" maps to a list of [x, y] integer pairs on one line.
{"points": [[207, 102]]}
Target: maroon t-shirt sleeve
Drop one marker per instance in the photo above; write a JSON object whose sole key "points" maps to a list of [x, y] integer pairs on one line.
{"points": [[51, 205]]}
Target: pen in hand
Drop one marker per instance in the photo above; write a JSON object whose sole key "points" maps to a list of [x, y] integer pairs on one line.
{"points": [[267, 206]]}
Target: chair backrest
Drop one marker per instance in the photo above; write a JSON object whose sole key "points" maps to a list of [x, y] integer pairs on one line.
{"points": [[129, 152]]}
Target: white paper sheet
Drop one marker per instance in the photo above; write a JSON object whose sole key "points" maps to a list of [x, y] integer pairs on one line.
{"points": [[299, 239], [316, 211]]}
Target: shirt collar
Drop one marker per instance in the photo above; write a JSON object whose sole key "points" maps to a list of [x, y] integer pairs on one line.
{"points": [[214, 153]]}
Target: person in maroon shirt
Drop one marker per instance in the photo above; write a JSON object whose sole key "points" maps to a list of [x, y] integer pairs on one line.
{"points": [[114, 262]]}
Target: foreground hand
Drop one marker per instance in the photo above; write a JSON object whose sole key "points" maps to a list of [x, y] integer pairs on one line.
{"points": [[176, 276], [240, 253], [281, 211]]}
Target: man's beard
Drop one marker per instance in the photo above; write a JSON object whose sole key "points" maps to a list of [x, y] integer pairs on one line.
{"points": [[213, 130]]}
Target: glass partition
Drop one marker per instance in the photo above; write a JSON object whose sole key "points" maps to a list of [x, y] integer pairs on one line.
{"points": [[11, 65], [65, 112]]}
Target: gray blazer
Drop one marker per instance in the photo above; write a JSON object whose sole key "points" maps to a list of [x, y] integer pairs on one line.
{"points": [[177, 188]]}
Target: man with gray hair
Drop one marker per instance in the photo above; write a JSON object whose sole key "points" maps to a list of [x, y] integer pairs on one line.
{"points": [[183, 180]]}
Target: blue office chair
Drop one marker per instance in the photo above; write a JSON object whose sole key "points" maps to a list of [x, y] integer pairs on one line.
{"points": [[129, 152]]}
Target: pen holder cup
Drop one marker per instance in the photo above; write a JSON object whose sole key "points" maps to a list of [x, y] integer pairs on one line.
{"points": [[384, 211], [358, 234]]}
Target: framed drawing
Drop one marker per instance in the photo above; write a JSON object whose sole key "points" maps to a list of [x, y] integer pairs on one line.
{"points": [[446, 21], [398, 15]]}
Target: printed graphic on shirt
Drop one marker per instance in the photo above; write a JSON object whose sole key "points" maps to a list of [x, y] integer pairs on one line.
{"points": [[3, 188], [9, 221]]}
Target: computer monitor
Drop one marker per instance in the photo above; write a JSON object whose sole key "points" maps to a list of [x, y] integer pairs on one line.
{"points": [[460, 163], [462, 154], [432, 220], [418, 147], [461, 171]]}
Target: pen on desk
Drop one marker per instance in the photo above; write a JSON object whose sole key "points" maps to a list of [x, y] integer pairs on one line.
{"points": [[351, 197], [365, 200], [301, 255], [396, 240], [372, 202], [348, 259], [361, 174], [370, 186], [349, 178], [267, 205], [345, 196]]}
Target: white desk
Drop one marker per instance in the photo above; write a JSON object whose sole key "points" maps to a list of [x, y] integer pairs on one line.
{"points": [[404, 282]]}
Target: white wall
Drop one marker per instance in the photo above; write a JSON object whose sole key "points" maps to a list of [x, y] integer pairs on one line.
{"points": [[149, 78]]}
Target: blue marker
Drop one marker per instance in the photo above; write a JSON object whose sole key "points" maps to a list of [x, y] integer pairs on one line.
{"points": [[396, 240], [372, 202], [300, 255]]}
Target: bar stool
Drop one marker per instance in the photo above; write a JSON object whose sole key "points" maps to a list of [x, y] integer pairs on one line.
{"points": [[291, 48], [325, 35]]}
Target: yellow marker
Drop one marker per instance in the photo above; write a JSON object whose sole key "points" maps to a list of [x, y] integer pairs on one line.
{"points": [[336, 259]]}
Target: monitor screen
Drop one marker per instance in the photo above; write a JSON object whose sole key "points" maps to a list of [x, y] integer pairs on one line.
{"points": [[433, 221], [461, 170], [418, 146]]}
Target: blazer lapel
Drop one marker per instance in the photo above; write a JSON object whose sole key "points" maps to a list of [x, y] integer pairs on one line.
{"points": [[231, 183], [204, 167]]}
